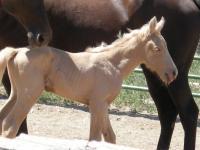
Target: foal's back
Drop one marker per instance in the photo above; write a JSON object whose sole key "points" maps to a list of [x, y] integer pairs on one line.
{"points": [[77, 76]]}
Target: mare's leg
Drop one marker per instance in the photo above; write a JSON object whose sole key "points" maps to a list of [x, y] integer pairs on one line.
{"points": [[98, 110], [167, 112], [176, 99], [6, 82], [108, 132], [187, 109]]}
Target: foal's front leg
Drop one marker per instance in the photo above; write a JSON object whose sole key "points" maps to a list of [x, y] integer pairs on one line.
{"points": [[98, 110], [108, 133]]}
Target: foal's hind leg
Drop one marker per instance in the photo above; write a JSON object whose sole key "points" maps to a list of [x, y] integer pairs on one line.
{"points": [[10, 102], [27, 94], [21, 108], [6, 82], [7, 108]]}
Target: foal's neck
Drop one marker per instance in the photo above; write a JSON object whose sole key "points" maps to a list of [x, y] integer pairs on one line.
{"points": [[126, 54]]}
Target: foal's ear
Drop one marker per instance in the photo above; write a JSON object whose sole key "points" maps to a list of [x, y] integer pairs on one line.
{"points": [[160, 24], [152, 24]]}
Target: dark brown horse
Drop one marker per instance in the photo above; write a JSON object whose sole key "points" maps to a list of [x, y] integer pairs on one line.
{"points": [[73, 20], [31, 15]]}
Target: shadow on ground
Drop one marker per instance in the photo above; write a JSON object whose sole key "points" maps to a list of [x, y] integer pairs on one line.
{"points": [[113, 111]]}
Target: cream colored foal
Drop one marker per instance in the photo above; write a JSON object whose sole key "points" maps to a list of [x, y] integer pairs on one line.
{"points": [[93, 77]]}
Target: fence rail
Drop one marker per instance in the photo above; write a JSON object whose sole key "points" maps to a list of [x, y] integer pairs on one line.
{"points": [[145, 89]]}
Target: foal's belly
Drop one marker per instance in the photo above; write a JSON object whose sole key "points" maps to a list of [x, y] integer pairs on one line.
{"points": [[78, 90], [73, 97]]}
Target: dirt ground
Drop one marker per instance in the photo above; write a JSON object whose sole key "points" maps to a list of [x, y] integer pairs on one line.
{"points": [[138, 130]]}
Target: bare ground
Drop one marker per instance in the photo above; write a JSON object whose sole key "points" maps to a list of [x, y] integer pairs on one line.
{"points": [[138, 130]]}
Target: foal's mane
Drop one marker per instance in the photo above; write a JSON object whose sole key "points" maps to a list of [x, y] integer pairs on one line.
{"points": [[139, 34]]}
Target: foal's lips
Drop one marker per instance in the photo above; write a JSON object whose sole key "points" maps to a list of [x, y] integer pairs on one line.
{"points": [[169, 81]]}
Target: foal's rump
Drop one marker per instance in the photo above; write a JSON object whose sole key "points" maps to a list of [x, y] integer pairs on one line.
{"points": [[23, 56]]}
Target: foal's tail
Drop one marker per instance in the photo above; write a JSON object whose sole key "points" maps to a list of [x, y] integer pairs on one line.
{"points": [[5, 55]]}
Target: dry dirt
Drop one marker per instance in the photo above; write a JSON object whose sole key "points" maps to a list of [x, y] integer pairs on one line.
{"points": [[138, 130]]}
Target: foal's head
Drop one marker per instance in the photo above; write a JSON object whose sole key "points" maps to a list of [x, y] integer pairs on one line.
{"points": [[157, 57]]}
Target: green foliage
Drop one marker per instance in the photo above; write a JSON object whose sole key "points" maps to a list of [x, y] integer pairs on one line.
{"points": [[136, 100], [52, 99]]}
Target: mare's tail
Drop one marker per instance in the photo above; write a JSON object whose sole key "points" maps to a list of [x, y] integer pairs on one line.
{"points": [[5, 55]]}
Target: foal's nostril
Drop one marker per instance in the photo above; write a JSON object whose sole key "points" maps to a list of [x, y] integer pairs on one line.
{"points": [[40, 38], [171, 76], [174, 73]]}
